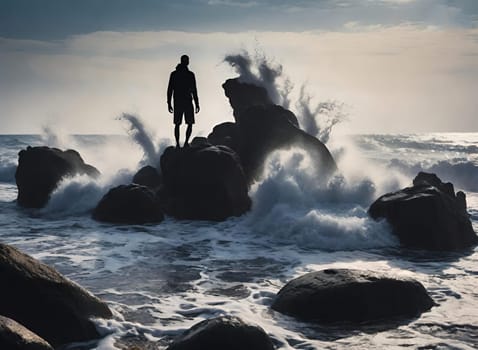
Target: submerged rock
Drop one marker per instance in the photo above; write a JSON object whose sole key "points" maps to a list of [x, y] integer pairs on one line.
{"points": [[261, 128], [203, 183], [44, 301], [342, 295], [129, 204], [221, 333], [13, 336], [40, 169], [428, 215]]}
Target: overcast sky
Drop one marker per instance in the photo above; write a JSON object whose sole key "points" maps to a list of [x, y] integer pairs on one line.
{"points": [[398, 65]]}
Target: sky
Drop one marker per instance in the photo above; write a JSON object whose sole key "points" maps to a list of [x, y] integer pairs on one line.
{"points": [[397, 66]]}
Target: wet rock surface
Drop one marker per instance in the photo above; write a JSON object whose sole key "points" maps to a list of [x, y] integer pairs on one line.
{"points": [[44, 301], [40, 169], [343, 295], [225, 332], [129, 204], [428, 215], [203, 183], [13, 336]]}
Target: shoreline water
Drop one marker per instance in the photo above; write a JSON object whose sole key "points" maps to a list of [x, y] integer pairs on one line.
{"points": [[161, 279]]}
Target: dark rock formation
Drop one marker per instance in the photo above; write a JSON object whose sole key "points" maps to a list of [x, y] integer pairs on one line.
{"points": [[341, 295], [226, 332], [148, 176], [203, 183], [243, 95], [427, 215], [129, 204], [40, 169], [44, 301], [262, 127], [13, 336]]}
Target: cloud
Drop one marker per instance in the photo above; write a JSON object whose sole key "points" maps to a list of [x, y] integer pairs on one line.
{"points": [[63, 18], [395, 79], [233, 3]]}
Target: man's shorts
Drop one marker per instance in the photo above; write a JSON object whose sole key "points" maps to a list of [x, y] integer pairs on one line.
{"points": [[187, 110]]}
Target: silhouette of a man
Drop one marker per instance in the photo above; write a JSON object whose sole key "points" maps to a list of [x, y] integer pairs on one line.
{"points": [[182, 88]]}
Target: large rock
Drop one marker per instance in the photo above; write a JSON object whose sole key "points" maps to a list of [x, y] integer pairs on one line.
{"points": [[44, 301], [129, 204], [40, 169], [203, 183], [13, 336], [221, 333], [428, 215], [341, 295], [261, 128]]}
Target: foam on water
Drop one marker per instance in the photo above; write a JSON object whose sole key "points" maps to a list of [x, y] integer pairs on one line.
{"points": [[161, 279], [7, 170], [293, 203]]}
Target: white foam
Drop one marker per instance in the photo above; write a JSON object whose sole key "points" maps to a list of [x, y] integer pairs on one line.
{"points": [[294, 204]]}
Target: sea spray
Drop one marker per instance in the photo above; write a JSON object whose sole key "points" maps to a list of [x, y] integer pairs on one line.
{"points": [[7, 170], [292, 203], [54, 137], [316, 119], [143, 138], [80, 194], [261, 71]]}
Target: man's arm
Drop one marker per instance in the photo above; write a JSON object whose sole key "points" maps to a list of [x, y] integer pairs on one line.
{"points": [[195, 93], [170, 92]]}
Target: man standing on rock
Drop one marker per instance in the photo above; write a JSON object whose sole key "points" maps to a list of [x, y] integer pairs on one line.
{"points": [[182, 86]]}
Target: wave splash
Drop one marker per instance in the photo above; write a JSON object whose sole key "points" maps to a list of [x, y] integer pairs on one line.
{"points": [[293, 204], [317, 119], [80, 194]]}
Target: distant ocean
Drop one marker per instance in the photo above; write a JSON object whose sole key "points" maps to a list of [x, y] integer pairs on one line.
{"points": [[161, 279]]}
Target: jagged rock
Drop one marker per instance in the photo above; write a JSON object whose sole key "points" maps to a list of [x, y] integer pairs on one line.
{"points": [[203, 183], [40, 169], [225, 332], [44, 301], [261, 128], [148, 176], [129, 204], [13, 336], [427, 215], [342, 295]]}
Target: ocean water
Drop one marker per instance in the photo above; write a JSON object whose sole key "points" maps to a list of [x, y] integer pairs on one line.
{"points": [[161, 279]]}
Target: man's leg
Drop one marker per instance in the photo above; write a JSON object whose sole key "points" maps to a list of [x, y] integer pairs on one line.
{"points": [[176, 134], [188, 134]]}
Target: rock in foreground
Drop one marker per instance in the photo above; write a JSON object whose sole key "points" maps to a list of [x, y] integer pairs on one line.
{"points": [[40, 169], [129, 204], [203, 183], [428, 215], [342, 295], [13, 336], [221, 333], [44, 301]]}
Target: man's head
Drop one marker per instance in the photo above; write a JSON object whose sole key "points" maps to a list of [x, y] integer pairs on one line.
{"points": [[185, 60]]}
